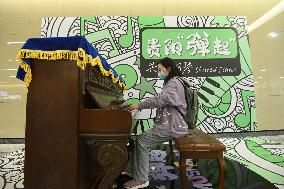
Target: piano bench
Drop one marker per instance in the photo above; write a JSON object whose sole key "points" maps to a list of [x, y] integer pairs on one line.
{"points": [[199, 145]]}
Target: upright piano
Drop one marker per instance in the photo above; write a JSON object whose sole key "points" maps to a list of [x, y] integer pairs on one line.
{"points": [[77, 124]]}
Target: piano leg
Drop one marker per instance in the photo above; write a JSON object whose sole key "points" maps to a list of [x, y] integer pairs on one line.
{"points": [[111, 157]]}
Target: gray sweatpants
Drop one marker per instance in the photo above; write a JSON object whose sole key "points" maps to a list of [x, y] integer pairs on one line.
{"points": [[138, 164]]}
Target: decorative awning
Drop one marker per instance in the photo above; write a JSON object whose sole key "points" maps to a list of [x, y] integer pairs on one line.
{"points": [[63, 48]]}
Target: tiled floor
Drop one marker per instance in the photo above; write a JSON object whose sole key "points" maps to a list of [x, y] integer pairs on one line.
{"points": [[8, 148], [252, 162], [277, 138]]}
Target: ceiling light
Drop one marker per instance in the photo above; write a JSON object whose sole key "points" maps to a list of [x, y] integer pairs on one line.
{"points": [[10, 60], [8, 69], [15, 42], [263, 70], [12, 76], [273, 34], [256, 82], [14, 85], [281, 77], [259, 77], [267, 16], [12, 97], [3, 93]]}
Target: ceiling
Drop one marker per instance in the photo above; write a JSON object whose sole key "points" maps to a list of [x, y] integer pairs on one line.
{"points": [[21, 19]]}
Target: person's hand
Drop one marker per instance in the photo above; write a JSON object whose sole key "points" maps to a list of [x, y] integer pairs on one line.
{"points": [[133, 107]]}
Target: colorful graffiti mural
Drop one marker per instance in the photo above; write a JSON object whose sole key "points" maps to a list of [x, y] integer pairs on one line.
{"points": [[212, 51]]}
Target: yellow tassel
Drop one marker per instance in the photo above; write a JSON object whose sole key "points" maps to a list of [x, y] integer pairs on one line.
{"points": [[80, 56]]}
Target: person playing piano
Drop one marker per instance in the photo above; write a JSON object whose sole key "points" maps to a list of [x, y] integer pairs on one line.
{"points": [[168, 124]]}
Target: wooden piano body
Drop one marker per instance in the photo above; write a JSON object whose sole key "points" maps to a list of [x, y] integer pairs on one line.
{"points": [[60, 118]]}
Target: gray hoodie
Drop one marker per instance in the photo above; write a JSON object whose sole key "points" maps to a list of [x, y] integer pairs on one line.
{"points": [[168, 120]]}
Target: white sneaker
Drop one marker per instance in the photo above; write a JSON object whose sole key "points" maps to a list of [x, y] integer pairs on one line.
{"points": [[126, 173], [134, 184], [114, 185]]}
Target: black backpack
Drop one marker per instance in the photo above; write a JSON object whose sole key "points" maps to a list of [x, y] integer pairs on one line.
{"points": [[192, 105]]}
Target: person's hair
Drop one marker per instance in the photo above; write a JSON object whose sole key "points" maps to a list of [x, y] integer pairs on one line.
{"points": [[174, 71]]}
